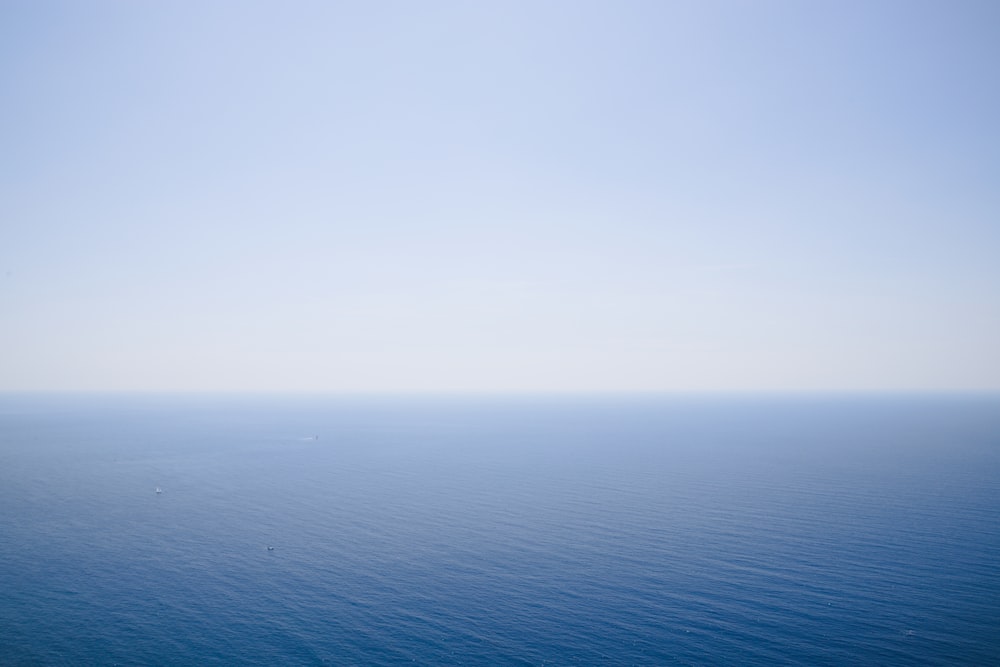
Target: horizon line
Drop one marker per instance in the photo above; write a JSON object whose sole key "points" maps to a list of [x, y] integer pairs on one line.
{"points": [[582, 393]]}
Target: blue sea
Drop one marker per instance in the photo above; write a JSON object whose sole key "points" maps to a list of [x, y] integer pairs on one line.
{"points": [[506, 530]]}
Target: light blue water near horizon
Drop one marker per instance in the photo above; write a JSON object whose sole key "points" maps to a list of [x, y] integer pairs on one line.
{"points": [[499, 530]]}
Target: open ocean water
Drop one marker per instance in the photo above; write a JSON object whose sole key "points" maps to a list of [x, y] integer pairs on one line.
{"points": [[822, 530]]}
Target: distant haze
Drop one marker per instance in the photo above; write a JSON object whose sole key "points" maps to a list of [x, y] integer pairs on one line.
{"points": [[499, 196]]}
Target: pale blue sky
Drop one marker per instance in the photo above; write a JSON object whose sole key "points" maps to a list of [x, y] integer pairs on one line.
{"points": [[499, 196]]}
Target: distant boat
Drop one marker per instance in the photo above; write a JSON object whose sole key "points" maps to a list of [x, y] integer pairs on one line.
{"points": [[159, 490], [270, 548]]}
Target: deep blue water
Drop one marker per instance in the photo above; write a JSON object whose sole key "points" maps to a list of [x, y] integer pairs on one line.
{"points": [[525, 531]]}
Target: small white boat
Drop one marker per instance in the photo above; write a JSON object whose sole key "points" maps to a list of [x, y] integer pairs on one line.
{"points": [[159, 490]]}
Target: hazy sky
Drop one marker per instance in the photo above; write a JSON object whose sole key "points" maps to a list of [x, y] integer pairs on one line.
{"points": [[499, 195]]}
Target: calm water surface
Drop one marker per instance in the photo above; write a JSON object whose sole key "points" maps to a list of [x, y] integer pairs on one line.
{"points": [[522, 531]]}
